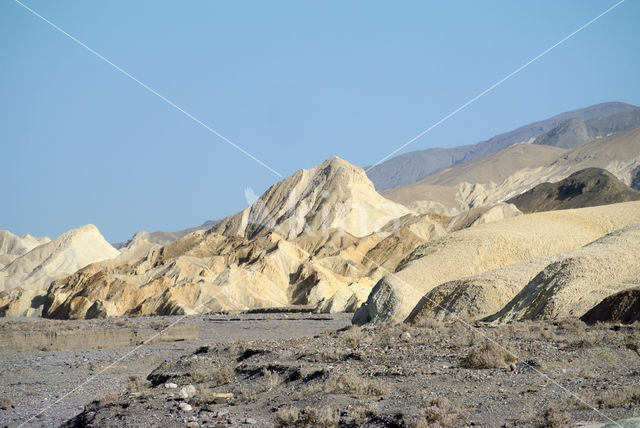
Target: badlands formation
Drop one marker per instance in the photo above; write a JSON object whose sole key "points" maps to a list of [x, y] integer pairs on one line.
{"points": [[542, 229]]}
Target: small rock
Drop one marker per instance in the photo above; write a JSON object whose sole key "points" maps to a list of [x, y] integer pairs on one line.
{"points": [[249, 421], [512, 367], [406, 336], [187, 392], [185, 407], [193, 425], [170, 385]]}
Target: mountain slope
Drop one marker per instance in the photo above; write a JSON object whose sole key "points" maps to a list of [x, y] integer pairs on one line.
{"points": [[333, 194], [411, 167], [586, 188], [579, 280], [486, 247], [64, 255], [12, 246], [619, 154]]}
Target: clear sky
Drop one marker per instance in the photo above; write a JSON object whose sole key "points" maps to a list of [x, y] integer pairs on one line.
{"points": [[292, 82]]}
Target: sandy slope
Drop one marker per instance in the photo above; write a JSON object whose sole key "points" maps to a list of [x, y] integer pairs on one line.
{"points": [[487, 247]]}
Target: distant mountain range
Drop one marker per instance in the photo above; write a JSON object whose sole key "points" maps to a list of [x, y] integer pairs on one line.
{"points": [[568, 129]]}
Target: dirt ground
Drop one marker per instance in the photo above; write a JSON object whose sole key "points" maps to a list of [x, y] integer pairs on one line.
{"points": [[316, 370]]}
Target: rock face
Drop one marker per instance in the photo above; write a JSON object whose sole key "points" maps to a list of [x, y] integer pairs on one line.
{"points": [[334, 194], [579, 280], [402, 170], [622, 307], [490, 246], [585, 188]]}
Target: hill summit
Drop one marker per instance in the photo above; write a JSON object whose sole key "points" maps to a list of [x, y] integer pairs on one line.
{"points": [[333, 194]]}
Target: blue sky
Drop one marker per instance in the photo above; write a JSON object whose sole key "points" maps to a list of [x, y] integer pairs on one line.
{"points": [[293, 83]]}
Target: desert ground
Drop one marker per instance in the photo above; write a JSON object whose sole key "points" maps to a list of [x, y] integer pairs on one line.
{"points": [[303, 369]]}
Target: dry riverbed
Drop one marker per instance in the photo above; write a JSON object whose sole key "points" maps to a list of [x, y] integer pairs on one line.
{"points": [[315, 370]]}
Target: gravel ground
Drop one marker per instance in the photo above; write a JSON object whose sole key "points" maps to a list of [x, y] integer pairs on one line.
{"points": [[62, 381]]}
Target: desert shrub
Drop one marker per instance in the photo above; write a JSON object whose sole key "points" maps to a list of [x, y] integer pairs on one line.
{"points": [[439, 411], [572, 325], [247, 395], [138, 386], [488, 355], [225, 375], [361, 414], [353, 336], [554, 418], [331, 355], [270, 379], [324, 417], [348, 383], [619, 397], [287, 416]]}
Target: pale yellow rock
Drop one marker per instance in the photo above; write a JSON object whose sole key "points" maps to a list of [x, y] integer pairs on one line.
{"points": [[490, 246]]}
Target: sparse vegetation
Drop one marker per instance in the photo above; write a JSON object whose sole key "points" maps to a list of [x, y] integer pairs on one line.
{"points": [[555, 418], [225, 375], [137, 386], [488, 355], [287, 416], [324, 417], [348, 383], [353, 336], [270, 379]]}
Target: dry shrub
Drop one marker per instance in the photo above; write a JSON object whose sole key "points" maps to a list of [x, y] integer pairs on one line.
{"points": [[270, 379], [361, 414], [554, 418], [324, 417], [572, 325], [247, 395], [225, 375], [348, 383], [287, 416], [107, 400], [332, 355], [619, 397], [353, 336], [137, 386], [439, 411], [488, 355]]}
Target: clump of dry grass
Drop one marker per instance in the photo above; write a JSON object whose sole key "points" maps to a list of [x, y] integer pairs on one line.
{"points": [[324, 417], [138, 386], [270, 379], [361, 414], [619, 397], [332, 355], [555, 418], [348, 383], [353, 336], [441, 412], [225, 375], [488, 355], [287, 416]]}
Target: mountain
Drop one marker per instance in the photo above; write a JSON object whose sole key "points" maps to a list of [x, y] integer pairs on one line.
{"points": [[586, 188], [64, 255], [333, 194], [12, 246], [576, 132], [411, 167], [142, 241], [314, 234], [482, 181], [486, 247]]}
